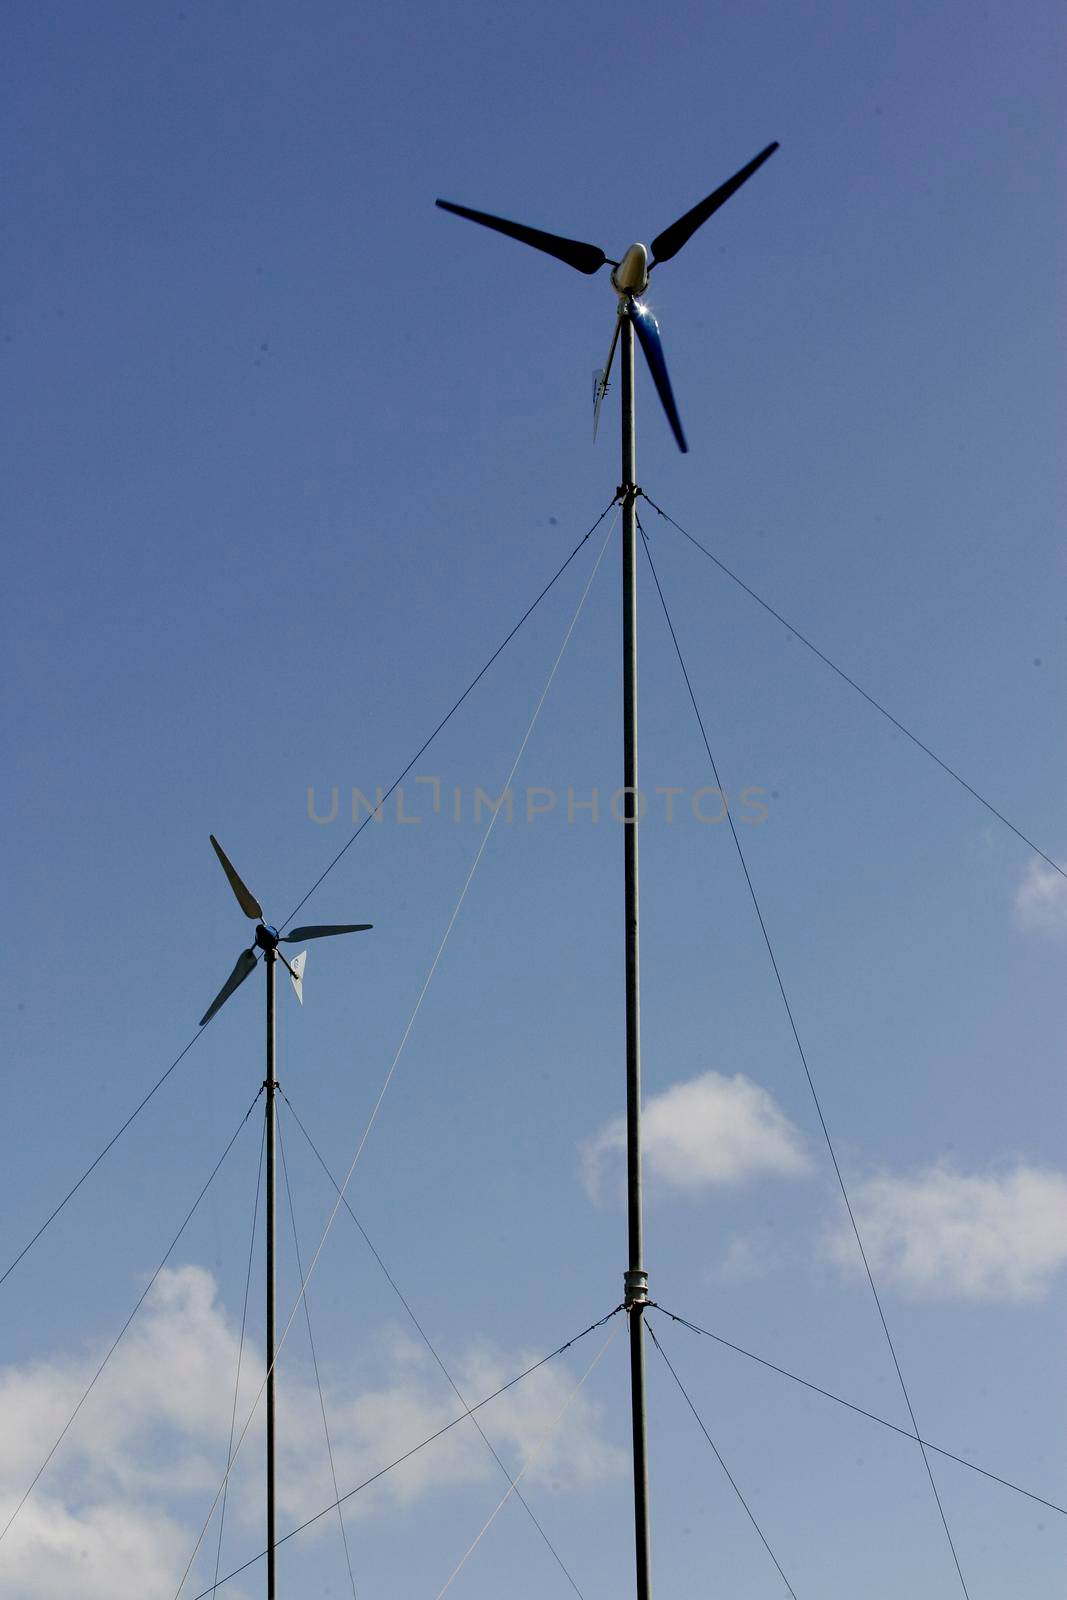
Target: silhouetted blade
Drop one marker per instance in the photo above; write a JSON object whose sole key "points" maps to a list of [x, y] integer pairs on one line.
{"points": [[245, 898], [648, 334], [246, 963], [325, 930], [671, 240], [585, 257]]}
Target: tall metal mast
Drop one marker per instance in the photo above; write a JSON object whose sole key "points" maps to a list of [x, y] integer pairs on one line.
{"points": [[636, 1279], [270, 1084]]}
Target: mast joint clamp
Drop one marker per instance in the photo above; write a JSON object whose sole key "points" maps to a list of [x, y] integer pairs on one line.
{"points": [[635, 1289], [628, 491]]}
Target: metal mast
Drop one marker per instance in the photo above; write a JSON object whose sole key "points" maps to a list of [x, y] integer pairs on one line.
{"points": [[636, 1280], [270, 1084]]}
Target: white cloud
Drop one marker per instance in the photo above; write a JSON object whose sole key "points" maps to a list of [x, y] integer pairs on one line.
{"points": [[117, 1512], [709, 1130], [411, 1401], [1041, 900], [109, 1519], [943, 1233], [101, 1551]]}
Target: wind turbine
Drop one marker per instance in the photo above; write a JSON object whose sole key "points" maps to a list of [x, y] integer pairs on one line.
{"points": [[630, 279], [267, 939]]}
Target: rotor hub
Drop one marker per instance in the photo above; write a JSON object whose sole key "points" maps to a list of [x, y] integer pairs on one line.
{"points": [[631, 274], [267, 938]]}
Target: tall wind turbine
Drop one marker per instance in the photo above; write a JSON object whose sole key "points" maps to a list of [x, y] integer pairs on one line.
{"points": [[267, 939], [629, 279]]}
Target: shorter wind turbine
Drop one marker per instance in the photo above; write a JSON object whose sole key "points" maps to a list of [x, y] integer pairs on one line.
{"points": [[630, 276], [267, 939]]}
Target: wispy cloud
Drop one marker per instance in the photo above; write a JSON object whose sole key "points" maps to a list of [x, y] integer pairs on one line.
{"points": [[941, 1233], [709, 1130], [116, 1514], [743, 1262], [1040, 903]]}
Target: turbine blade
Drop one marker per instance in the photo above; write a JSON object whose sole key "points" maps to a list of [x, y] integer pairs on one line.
{"points": [[325, 930], [245, 898], [670, 241], [245, 964], [584, 257], [296, 974], [647, 330], [600, 381]]}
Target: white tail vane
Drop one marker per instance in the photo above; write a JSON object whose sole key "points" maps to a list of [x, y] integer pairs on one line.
{"points": [[600, 389], [601, 381], [296, 974]]}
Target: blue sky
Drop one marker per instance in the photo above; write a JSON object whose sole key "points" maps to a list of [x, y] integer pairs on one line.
{"points": [[288, 454]]}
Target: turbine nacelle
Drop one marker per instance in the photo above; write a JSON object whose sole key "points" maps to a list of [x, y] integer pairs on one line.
{"points": [[631, 274]]}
